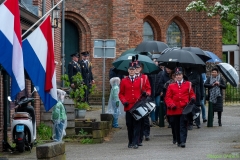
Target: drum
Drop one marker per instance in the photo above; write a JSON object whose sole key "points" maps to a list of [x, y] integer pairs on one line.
{"points": [[142, 108]]}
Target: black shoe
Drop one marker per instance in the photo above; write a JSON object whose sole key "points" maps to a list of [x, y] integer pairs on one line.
{"points": [[135, 146], [140, 144], [174, 141], [190, 127], [130, 145], [198, 126], [183, 145], [205, 120], [147, 138], [219, 123], [179, 145]]}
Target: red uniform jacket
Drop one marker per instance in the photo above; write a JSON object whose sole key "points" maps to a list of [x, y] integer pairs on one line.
{"points": [[178, 96], [131, 92]]}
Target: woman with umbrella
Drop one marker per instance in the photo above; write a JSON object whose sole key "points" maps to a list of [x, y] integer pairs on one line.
{"points": [[215, 85]]}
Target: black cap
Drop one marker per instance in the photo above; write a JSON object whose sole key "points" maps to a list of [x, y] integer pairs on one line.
{"points": [[178, 70], [86, 53], [76, 54], [132, 65], [138, 64]]}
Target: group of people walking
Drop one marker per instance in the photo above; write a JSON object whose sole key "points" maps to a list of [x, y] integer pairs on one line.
{"points": [[176, 88]]}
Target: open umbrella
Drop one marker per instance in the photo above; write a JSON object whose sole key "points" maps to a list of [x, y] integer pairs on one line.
{"points": [[203, 55], [214, 57], [132, 50], [122, 63], [229, 73], [155, 56], [151, 46], [179, 57]]}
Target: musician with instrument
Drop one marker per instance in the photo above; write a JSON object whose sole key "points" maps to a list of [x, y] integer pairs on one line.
{"points": [[130, 93], [145, 123], [178, 95]]}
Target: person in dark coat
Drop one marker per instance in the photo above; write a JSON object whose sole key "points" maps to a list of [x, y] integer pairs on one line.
{"points": [[165, 76], [112, 73], [194, 77], [215, 85], [73, 68], [86, 68]]}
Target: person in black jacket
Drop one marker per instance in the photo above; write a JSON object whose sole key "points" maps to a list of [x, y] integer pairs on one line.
{"points": [[194, 77], [86, 68], [215, 85], [73, 67], [164, 77], [113, 73], [155, 94]]}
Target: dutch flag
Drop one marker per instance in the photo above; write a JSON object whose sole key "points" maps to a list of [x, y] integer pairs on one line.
{"points": [[38, 53], [11, 56]]}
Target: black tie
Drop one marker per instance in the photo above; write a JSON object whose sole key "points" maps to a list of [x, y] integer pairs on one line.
{"points": [[87, 64], [179, 83], [132, 79]]}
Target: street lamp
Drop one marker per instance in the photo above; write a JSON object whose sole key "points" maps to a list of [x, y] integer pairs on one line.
{"points": [[55, 17]]}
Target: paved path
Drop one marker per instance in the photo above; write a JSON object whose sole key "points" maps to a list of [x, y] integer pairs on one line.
{"points": [[205, 143]]}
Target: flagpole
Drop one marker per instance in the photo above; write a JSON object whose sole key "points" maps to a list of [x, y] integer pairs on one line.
{"points": [[41, 18]]}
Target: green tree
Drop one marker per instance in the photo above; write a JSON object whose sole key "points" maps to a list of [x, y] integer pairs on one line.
{"points": [[227, 10]]}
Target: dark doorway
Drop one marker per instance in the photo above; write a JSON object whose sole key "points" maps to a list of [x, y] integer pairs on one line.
{"points": [[71, 42]]}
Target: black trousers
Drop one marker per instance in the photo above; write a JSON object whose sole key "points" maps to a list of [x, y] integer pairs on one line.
{"points": [[219, 115], [179, 128], [145, 128], [133, 127]]}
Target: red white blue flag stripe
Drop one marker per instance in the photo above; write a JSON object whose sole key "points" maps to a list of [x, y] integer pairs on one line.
{"points": [[11, 56], [38, 53]]}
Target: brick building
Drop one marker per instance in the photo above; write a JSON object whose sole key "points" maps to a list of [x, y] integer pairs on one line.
{"points": [[129, 22]]}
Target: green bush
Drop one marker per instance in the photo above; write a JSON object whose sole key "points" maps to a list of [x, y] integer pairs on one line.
{"points": [[77, 93], [232, 93], [87, 141], [44, 132]]}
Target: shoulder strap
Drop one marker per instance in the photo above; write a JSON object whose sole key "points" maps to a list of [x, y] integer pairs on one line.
{"points": [[190, 86], [143, 83]]}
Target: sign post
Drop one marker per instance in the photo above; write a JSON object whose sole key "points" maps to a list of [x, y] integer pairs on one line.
{"points": [[104, 48]]}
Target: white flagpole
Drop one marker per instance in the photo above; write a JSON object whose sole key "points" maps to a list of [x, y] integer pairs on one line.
{"points": [[41, 18]]}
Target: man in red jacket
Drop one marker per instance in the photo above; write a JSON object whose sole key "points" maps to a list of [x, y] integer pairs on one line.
{"points": [[130, 92], [145, 124], [177, 97]]}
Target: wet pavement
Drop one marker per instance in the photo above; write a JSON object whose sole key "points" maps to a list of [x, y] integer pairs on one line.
{"points": [[204, 143]]}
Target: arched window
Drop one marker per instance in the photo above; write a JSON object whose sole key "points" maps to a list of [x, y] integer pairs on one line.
{"points": [[174, 35], [147, 32]]}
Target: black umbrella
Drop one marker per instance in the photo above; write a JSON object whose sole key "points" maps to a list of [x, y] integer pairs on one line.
{"points": [[132, 50], [151, 46], [229, 73], [183, 58], [204, 56], [155, 56]]}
